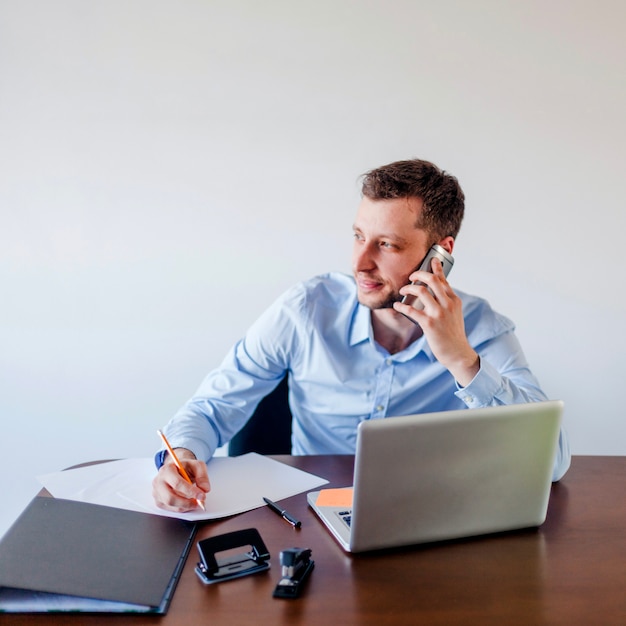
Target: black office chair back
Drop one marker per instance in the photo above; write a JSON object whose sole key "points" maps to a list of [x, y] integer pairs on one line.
{"points": [[268, 431]]}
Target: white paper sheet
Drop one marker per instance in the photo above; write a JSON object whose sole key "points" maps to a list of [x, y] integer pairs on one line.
{"points": [[238, 484]]}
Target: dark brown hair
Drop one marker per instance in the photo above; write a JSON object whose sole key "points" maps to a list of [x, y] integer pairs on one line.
{"points": [[443, 198]]}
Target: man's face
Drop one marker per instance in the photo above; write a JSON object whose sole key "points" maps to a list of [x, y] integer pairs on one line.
{"points": [[387, 248]]}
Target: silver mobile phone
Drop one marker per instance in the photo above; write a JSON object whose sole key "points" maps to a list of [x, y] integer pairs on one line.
{"points": [[447, 261]]}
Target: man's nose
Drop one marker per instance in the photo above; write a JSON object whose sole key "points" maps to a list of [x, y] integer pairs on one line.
{"points": [[363, 259]]}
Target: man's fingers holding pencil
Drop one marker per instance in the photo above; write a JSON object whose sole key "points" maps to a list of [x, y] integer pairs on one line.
{"points": [[171, 491], [196, 470], [199, 472]]}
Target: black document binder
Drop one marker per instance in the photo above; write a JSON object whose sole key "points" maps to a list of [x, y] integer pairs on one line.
{"points": [[62, 555]]}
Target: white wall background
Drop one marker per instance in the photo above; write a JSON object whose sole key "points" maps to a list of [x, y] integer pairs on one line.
{"points": [[167, 168]]}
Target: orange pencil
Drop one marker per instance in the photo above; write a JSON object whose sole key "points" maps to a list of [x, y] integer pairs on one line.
{"points": [[179, 465]]}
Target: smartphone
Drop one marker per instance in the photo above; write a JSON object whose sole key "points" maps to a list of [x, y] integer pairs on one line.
{"points": [[436, 252]]}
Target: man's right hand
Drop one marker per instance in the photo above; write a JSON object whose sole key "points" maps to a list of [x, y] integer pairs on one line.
{"points": [[172, 492]]}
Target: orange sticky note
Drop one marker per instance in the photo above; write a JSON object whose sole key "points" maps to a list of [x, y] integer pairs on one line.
{"points": [[335, 497]]}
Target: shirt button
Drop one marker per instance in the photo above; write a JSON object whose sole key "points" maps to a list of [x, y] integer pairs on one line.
{"points": [[468, 399], [388, 361], [380, 407]]}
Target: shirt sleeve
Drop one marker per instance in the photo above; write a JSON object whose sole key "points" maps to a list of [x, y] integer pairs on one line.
{"points": [[504, 376]]}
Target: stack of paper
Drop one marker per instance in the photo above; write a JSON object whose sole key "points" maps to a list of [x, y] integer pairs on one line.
{"points": [[238, 484]]}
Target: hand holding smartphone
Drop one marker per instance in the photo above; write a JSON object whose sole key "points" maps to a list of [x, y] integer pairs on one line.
{"points": [[447, 261]]}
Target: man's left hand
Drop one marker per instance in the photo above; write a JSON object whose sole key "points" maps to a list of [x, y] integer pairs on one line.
{"points": [[441, 319]]}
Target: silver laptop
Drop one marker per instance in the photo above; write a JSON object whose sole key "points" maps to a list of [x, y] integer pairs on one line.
{"points": [[446, 475]]}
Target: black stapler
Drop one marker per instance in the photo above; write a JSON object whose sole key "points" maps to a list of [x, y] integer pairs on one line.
{"points": [[296, 566]]}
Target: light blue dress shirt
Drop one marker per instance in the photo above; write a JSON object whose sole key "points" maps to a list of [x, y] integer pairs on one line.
{"points": [[339, 376]]}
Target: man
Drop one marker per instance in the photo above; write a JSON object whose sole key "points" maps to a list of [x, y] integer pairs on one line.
{"points": [[349, 347]]}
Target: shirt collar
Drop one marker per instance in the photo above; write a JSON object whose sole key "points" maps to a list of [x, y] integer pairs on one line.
{"points": [[360, 325], [361, 330]]}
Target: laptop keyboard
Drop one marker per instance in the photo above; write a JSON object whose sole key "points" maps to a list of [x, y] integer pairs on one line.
{"points": [[346, 516]]}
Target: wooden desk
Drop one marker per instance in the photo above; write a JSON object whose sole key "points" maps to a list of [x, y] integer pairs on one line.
{"points": [[571, 571]]}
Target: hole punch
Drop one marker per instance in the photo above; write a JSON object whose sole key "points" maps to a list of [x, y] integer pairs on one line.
{"points": [[233, 563]]}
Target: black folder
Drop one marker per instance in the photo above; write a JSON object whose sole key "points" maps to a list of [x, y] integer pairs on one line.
{"points": [[62, 555]]}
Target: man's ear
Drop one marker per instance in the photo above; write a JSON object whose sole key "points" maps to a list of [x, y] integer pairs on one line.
{"points": [[447, 243]]}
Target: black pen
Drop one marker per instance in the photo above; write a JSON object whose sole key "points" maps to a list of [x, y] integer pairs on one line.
{"points": [[288, 518]]}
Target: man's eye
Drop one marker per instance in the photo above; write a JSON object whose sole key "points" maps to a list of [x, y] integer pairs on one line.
{"points": [[386, 244]]}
